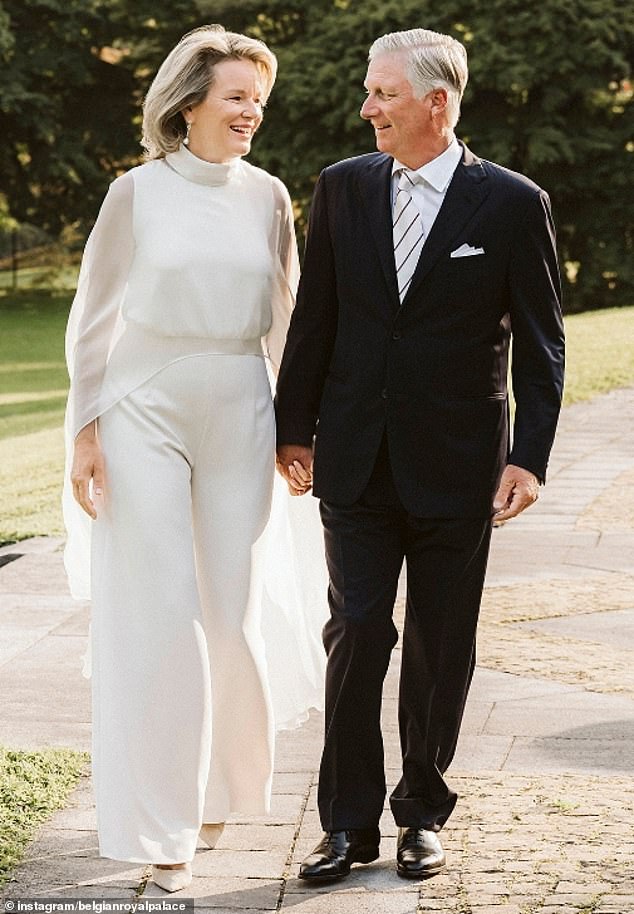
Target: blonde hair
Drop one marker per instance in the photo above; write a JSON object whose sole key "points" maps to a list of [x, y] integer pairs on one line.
{"points": [[433, 60], [185, 77]]}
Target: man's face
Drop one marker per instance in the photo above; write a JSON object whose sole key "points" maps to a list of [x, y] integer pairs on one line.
{"points": [[402, 123]]}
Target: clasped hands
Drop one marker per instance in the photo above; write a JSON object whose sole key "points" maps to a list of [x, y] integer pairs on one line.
{"points": [[295, 464], [518, 488]]}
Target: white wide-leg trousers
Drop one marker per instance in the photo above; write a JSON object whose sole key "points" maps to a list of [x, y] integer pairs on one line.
{"points": [[182, 725]]}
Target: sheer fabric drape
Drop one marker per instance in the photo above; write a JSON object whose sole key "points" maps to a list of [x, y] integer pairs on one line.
{"points": [[105, 363]]}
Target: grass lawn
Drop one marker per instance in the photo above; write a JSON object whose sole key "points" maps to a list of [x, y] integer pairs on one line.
{"points": [[600, 353], [32, 786], [33, 385]]}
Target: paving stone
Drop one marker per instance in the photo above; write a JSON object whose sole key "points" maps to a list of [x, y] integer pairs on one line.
{"points": [[610, 756], [476, 716], [226, 893], [34, 573], [545, 819], [77, 819], [495, 909], [374, 877], [479, 752], [58, 842], [593, 888], [49, 874], [292, 782], [263, 864], [501, 686], [285, 809], [514, 717], [572, 901], [201, 908], [335, 902], [250, 837], [76, 624], [616, 628]]}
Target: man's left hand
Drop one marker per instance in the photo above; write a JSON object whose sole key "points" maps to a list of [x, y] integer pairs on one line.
{"points": [[518, 489]]}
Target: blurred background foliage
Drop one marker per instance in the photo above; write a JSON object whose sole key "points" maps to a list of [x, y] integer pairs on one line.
{"points": [[549, 95]]}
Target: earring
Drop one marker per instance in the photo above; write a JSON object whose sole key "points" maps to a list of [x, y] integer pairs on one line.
{"points": [[186, 139]]}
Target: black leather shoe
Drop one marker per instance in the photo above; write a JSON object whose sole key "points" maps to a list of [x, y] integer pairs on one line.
{"points": [[419, 853], [337, 851]]}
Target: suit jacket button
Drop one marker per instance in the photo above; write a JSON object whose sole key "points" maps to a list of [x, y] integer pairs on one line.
{"points": [[397, 335], [384, 393]]}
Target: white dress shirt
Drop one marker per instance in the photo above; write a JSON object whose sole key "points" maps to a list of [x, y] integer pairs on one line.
{"points": [[431, 183]]}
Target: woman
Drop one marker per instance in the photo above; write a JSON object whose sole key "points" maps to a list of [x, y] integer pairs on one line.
{"points": [[188, 271]]}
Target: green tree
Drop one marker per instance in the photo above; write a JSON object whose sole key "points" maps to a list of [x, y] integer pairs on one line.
{"points": [[66, 112], [549, 95], [74, 76]]}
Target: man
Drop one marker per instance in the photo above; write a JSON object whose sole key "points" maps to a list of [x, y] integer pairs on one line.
{"points": [[420, 261]]}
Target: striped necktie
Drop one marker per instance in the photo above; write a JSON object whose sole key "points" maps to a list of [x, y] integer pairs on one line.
{"points": [[408, 233]]}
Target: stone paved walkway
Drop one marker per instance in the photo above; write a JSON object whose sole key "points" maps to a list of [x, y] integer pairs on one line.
{"points": [[545, 765]]}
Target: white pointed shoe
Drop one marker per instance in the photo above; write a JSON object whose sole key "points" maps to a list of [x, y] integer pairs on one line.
{"points": [[210, 833], [172, 880]]}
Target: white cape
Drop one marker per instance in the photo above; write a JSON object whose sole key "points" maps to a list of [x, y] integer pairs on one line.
{"points": [[294, 602]]}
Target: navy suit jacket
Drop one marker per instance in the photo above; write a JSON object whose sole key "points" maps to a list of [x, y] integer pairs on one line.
{"points": [[430, 373]]}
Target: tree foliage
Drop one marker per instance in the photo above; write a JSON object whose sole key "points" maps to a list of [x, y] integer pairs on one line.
{"points": [[66, 114], [549, 95]]}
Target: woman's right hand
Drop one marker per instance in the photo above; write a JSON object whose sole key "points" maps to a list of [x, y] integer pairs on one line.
{"points": [[88, 464], [294, 463]]}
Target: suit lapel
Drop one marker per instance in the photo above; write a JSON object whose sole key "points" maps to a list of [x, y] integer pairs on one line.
{"points": [[465, 194], [374, 187]]}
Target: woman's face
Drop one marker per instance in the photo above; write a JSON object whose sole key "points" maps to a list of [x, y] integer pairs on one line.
{"points": [[222, 126]]}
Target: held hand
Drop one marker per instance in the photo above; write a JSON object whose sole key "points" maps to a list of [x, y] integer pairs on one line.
{"points": [[88, 464], [295, 463], [518, 489]]}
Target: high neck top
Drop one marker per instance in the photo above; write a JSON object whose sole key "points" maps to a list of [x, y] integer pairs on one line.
{"points": [[198, 170]]}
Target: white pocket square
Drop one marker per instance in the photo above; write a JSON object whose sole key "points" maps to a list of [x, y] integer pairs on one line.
{"points": [[465, 250]]}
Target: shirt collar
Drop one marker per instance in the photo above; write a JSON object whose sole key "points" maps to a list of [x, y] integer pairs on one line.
{"points": [[439, 172]]}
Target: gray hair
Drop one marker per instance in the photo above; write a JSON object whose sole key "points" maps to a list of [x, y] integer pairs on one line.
{"points": [[185, 77], [433, 60]]}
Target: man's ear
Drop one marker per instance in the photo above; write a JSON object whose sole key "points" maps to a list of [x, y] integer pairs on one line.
{"points": [[438, 101]]}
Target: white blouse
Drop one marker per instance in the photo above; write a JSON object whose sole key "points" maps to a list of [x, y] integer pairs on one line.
{"points": [[189, 257], [186, 257]]}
